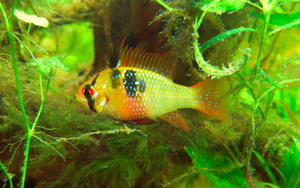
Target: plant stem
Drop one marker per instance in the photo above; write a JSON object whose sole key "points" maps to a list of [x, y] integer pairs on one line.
{"points": [[42, 100], [17, 80], [162, 3], [8, 28], [26, 158], [250, 87], [28, 32], [53, 89], [234, 158], [263, 39], [42, 103], [249, 150], [7, 174], [31, 131], [5, 17], [13, 12]]}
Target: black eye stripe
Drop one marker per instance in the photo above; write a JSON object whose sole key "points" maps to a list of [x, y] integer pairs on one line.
{"points": [[90, 100], [87, 92]]}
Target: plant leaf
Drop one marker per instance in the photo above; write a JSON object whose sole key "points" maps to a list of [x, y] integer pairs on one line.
{"points": [[39, 21], [222, 36], [44, 65], [283, 19], [291, 165], [266, 168], [268, 79], [220, 171], [40, 63], [57, 62], [220, 7], [292, 24]]}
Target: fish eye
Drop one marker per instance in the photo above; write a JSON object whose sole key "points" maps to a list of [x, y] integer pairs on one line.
{"points": [[88, 91], [92, 92]]}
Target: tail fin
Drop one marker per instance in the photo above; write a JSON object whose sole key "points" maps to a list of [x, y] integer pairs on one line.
{"points": [[211, 98]]}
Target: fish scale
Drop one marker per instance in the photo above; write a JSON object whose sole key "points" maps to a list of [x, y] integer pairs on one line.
{"points": [[159, 90]]}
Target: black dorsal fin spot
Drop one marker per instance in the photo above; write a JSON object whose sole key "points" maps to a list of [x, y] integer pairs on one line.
{"points": [[94, 80]]}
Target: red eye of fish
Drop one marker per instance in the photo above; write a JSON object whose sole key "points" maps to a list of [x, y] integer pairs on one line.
{"points": [[92, 92], [83, 90]]}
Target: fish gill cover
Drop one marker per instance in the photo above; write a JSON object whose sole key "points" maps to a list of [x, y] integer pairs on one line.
{"points": [[49, 140]]}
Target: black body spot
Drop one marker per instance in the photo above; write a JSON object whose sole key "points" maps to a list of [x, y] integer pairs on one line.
{"points": [[130, 83], [115, 78], [90, 100]]}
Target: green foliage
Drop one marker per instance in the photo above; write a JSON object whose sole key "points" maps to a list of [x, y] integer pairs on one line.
{"points": [[290, 168], [118, 171], [280, 18], [76, 39], [45, 65], [262, 91], [127, 158], [9, 176], [222, 36], [266, 168], [221, 171], [220, 7], [67, 146], [291, 165], [268, 79]]}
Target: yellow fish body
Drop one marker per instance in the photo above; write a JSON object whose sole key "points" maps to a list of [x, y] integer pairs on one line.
{"points": [[141, 89]]}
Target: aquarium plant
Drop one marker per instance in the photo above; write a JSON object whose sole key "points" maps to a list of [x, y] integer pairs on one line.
{"points": [[47, 138]]}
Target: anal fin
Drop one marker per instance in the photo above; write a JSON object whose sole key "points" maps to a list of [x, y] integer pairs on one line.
{"points": [[176, 119]]}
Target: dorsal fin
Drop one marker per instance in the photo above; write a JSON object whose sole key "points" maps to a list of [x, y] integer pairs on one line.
{"points": [[163, 64]]}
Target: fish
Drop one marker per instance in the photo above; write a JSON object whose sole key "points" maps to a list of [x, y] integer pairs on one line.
{"points": [[141, 90]]}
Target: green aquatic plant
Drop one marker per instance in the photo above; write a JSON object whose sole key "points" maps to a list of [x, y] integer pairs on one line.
{"points": [[291, 166], [262, 97], [44, 67], [89, 150], [219, 170], [55, 127], [218, 7], [289, 172]]}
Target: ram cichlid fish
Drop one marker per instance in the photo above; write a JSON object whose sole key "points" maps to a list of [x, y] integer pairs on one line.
{"points": [[140, 90]]}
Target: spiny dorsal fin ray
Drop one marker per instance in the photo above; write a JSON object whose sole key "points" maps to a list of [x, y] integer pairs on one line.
{"points": [[163, 64]]}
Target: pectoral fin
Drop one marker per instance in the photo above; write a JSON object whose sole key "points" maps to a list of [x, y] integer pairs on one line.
{"points": [[176, 119]]}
